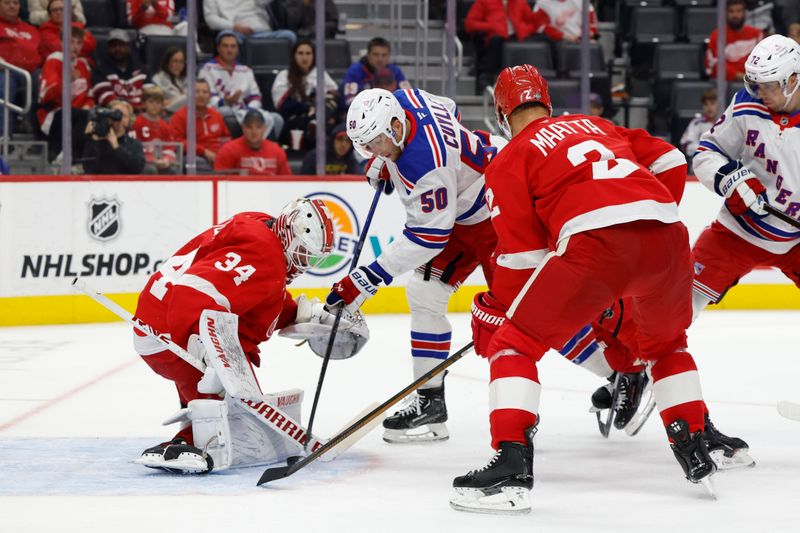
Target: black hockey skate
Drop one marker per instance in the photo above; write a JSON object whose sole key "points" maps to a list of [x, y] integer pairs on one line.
{"points": [[629, 396], [177, 457], [422, 419], [691, 452], [502, 486], [727, 452], [624, 392]]}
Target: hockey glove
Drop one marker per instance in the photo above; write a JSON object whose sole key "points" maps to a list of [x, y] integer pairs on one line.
{"points": [[312, 311], [357, 286], [742, 190], [488, 314], [377, 172]]}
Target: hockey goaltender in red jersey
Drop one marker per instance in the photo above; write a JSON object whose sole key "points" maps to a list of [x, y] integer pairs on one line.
{"points": [[239, 268], [614, 232]]}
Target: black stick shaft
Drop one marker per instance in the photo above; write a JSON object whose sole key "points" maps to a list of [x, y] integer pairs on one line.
{"points": [[335, 327], [777, 213], [271, 474]]}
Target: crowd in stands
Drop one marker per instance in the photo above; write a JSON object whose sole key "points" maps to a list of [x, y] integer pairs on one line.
{"points": [[249, 125]]}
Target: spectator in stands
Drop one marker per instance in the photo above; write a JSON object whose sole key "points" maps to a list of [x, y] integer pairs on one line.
{"points": [[251, 152], [171, 77], [700, 124], [339, 158], [740, 39], [596, 106], [40, 12], [794, 31], [50, 105], [118, 75], [301, 18], [117, 152], [247, 18], [361, 75], [210, 126], [19, 44], [294, 94], [153, 17], [562, 20], [492, 22], [234, 90], [150, 128], [50, 32]]}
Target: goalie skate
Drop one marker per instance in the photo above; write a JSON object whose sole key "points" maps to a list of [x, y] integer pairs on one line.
{"points": [[421, 420], [176, 457]]}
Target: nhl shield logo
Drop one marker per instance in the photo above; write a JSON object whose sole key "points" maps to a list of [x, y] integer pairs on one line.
{"points": [[104, 221]]}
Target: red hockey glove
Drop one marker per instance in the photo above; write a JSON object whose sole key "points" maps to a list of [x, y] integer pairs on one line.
{"points": [[742, 190], [488, 314], [376, 172], [359, 285]]}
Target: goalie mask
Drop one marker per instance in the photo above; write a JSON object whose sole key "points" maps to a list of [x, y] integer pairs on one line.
{"points": [[305, 228], [370, 116], [770, 66]]}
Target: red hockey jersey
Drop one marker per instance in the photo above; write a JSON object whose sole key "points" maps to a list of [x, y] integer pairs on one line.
{"points": [[560, 176], [50, 85], [269, 160], [236, 266], [147, 130]]}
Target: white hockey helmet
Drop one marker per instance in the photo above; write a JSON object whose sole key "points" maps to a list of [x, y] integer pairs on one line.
{"points": [[305, 228], [773, 60], [371, 114]]}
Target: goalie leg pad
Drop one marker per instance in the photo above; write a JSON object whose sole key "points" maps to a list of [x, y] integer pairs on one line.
{"points": [[233, 436]]}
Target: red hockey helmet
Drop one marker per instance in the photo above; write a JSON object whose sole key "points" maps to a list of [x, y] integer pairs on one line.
{"points": [[515, 86]]}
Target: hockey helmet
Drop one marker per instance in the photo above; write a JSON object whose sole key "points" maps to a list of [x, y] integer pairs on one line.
{"points": [[518, 85], [305, 228], [773, 61], [370, 115]]}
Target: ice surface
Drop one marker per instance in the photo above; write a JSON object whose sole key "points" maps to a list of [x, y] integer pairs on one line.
{"points": [[76, 406]]}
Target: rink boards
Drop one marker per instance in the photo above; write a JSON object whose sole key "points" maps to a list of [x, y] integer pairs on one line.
{"points": [[115, 231]]}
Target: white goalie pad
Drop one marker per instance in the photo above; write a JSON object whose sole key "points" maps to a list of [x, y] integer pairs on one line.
{"points": [[234, 437], [219, 332], [351, 336]]}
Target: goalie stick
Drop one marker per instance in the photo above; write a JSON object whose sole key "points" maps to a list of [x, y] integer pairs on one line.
{"points": [[263, 411], [280, 472], [340, 310]]}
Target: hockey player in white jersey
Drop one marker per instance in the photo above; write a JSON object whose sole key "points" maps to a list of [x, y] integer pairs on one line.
{"points": [[419, 148], [752, 157]]}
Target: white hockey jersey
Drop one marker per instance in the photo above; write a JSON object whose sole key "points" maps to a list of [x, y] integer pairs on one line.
{"points": [[690, 139], [438, 177], [226, 82], [768, 144]]}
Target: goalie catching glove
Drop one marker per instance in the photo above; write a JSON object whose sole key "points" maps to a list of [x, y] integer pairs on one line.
{"points": [[314, 323], [742, 190]]}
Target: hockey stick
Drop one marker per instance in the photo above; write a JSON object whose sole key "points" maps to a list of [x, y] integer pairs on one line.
{"points": [[789, 410], [340, 310], [777, 213], [605, 428], [280, 472], [266, 413]]}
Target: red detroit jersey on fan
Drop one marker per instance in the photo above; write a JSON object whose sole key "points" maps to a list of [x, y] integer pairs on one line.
{"points": [[439, 178], [237, 266]]}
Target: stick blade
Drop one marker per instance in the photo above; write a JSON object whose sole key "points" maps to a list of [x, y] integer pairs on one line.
{"points": [[271, 474], [789, 410]]}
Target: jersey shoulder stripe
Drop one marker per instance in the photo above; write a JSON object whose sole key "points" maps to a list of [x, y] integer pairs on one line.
{"points": [[425, 150]]}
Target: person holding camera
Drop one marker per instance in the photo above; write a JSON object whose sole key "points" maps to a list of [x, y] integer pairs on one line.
{"points": [[109, 149]]}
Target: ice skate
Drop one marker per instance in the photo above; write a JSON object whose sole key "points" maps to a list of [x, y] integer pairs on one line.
{"points": [[422, 419], [727, 452], [624, 392], [177, 457], [630, 389], [502, 486], [691, 452]]}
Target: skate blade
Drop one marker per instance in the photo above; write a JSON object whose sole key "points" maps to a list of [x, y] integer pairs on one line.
{"points": [[789, 410], [709, 486], [605, 427], [181, 465], [509, 501], [740, 459], [424, 434], [637, 422]]}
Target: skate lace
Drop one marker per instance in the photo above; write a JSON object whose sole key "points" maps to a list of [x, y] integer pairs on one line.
{"points": [[489, 465], [624, 394], [412, 405]]}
